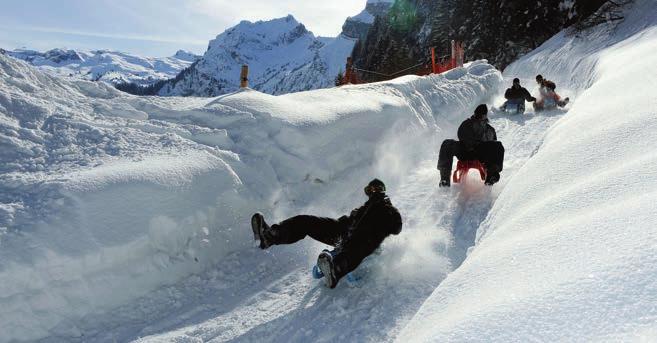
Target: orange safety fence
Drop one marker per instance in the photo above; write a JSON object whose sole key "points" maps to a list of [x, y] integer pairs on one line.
{"points": [[445, 63]]}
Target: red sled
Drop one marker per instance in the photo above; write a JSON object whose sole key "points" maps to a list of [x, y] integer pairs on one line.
{"points": [[462, 168]]}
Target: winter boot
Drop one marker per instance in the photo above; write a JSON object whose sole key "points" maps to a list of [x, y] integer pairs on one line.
{"points": [[261, 231], [444, 178], [492, 178], [326, 267], [317, 273]]}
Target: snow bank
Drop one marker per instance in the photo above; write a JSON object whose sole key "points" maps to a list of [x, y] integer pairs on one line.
{"points": [[105, 197], [568, 251]]}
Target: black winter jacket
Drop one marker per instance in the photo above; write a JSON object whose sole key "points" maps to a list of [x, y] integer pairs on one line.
{"points": [[473, 131], [518, 93], [370, 224]]}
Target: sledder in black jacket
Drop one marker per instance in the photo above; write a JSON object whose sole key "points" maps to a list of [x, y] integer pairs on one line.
{"points": [[354, 237], [517, 92], [516, 97], [474, 131], [477, 141]]}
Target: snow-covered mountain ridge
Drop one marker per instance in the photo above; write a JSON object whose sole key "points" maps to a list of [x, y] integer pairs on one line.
{"points": [[282, 54], [109, 66], [283, 57]]}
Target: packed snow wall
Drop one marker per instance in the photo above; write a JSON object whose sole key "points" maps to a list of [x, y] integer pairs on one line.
{"points": [[567, 252], [105, 197]]}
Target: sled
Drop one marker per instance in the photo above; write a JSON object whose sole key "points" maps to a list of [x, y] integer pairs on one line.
{"points": [[462, 168], [356, 276], [550, 103], [510, 107]]}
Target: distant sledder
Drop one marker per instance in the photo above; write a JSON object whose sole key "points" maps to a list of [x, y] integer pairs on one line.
{"points": [[354, 237], [477, 147], [515, 98], [548, 98]]}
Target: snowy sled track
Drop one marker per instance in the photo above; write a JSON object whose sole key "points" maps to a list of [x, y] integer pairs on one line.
{"points": [[316, 159], [270, 296], [240, 293]]}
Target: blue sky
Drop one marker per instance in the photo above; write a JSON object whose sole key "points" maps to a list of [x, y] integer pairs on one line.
{"points": [[152, 27]]}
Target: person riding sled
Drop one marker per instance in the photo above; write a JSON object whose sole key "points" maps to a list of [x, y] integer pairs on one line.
{"points": [[477, 141], [516, 97], [548, 98], [541, 85], [354, 236]]}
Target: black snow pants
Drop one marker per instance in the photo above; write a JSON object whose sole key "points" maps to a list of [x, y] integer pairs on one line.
{"points": [[490, 154], [346, 257], [326, 230]]}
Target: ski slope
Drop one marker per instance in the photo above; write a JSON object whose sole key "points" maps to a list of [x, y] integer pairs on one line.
{"points": [[126, 218]]}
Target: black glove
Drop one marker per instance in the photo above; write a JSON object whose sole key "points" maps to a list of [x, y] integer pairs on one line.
{"points": [[532, 99]]}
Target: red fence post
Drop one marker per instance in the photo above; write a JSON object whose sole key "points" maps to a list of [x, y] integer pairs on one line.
{"points": [[433, 60], [348, 72]]}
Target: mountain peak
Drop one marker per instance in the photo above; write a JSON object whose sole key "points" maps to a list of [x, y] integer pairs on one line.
{"points": [[282, 54], [186, 55], [358, 25], [274, 32]]}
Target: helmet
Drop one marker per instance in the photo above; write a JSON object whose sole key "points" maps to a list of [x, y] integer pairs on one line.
{"points": [[481, 111], [375, 186]]}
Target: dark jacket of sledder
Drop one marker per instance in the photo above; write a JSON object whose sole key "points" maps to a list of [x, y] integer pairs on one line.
{"points": [[473, 131], [516, 93], [369, 225]]}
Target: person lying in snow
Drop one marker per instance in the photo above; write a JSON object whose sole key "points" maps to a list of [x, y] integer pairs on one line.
{"points": [[477, 141], [354, 237], [516, 97]]}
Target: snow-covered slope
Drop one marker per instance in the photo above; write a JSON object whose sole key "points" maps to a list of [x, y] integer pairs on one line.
{"points": [[569, 250], [104, 65], [106, 198]]}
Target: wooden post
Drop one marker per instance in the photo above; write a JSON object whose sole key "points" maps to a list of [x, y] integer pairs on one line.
{"points": [[453, 61], [461, 55], [433, 60], [244, 77], [348, 71]]}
